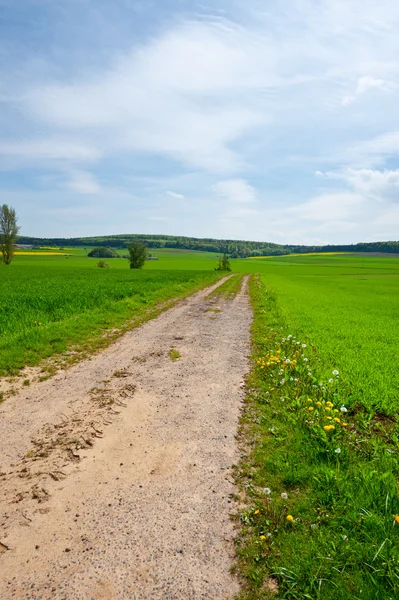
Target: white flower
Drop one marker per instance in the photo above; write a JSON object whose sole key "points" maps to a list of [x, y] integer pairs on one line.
{"points": [[291, 379], [289, 337], [281, 372], [287, 360], [303, 345], [331, 381], [344, 537], [283, 340], [305, 360], [298, 343], [337, 450], [313, 525], [282, 382], [267, 491], [284, 496], [335, 372], [268, 535], [343, 409], [282, 399]]}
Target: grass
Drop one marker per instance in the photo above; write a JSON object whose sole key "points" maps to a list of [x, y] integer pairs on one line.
{"points": [[46, 311], [229, 288], [174, 354], [320, 469]]}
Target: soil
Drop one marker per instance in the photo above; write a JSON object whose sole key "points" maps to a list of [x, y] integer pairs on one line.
{"points": [[115, 475]]}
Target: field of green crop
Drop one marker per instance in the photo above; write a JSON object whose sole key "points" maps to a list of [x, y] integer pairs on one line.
{"points": [[321, 420], [43, 310]]}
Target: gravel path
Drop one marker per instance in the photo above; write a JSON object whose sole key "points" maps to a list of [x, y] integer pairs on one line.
{"points": [[115, 475]]}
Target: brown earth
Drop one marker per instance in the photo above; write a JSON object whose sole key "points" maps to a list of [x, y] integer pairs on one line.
{"points": [[116, 474]]}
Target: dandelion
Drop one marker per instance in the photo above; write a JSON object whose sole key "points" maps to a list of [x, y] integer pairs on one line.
{"points": [[329, 403], [331, 381], [335, 372], [262, 537], [337, 450], [256, 512], [396, 518], [318, 403], [343, 409], [344, 424], [284, 496], [328, 427], [289, 518], [310, 407], [337, 420], [267, 491], [329, 418], [305, 360], [310, 400]]}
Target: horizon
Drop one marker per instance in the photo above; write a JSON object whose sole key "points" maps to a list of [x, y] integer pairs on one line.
{"points": [[217, 120], [115, 235]]}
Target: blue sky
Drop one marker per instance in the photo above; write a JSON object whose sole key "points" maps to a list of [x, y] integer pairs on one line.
{"points": [[273, 121]]}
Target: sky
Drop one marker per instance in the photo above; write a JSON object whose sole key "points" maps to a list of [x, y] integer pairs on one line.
{"points": [[261, 120]]}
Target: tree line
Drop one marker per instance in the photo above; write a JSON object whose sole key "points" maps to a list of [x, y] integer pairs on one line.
{"points": [[234, 248]]}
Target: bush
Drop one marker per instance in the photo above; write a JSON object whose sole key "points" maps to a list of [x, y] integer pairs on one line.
{"points": [[103, 252], [102, 264]]}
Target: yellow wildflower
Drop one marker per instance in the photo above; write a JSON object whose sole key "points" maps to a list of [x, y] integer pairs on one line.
{"points": [[329, 418], [329, 404], [337, 420], [310, 408], [344, 424], [328, 409], [310, 400], [262, 537], [318, 403], [396, 518], [256, 512], [289, 518]]}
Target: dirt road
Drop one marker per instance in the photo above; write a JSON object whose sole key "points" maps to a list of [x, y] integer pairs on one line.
{"points": [[115, 475]]}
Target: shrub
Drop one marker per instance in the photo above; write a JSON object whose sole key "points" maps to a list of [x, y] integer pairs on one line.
{"points": [[102, 252]]}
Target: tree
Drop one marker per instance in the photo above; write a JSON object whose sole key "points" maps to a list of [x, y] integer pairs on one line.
{"points": [[224, 263], [137, 254], [103, 252], [8, 232]]}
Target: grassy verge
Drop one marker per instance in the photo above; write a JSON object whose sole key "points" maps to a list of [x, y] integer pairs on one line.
{"points": [[319, 476], [44, 313], [229, 288]]}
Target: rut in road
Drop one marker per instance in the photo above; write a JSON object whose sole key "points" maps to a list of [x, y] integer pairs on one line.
{"points": [[115, 475]]}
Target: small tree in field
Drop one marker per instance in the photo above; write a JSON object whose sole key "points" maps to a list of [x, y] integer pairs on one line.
{"points": [[137, 254], [224, 263], [8, 233]]}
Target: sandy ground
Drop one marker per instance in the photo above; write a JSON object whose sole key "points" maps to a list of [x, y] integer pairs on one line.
{"points": [[115, 475]]}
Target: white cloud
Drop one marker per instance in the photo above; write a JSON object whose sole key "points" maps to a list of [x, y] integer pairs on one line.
{"points": [[83, 182], [175, 195], [364, 84], [236, 190], [49, 149], [328, 207], [180, 96]]}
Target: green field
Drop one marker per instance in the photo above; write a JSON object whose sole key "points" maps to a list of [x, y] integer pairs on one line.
{"points": [[48, 305]]}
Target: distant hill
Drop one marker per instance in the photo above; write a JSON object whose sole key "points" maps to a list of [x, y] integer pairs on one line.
{"points": [[235, 248]]}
